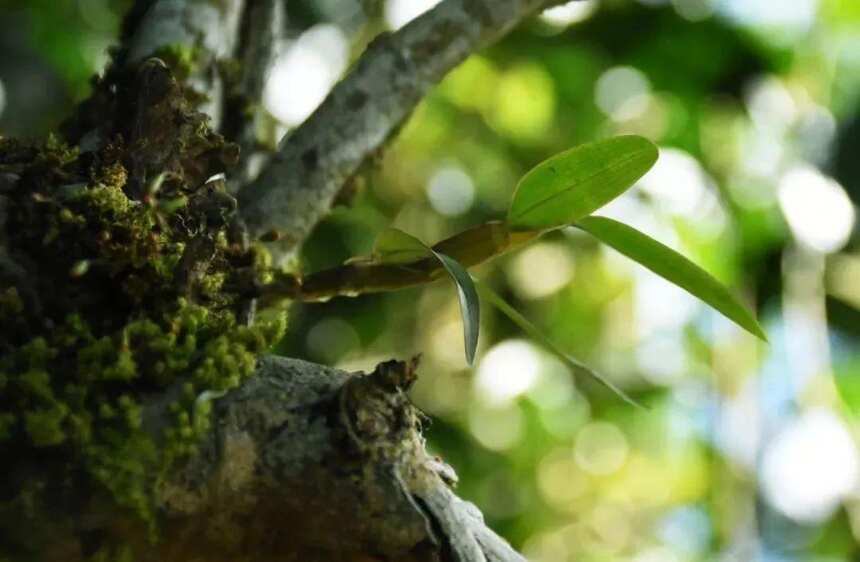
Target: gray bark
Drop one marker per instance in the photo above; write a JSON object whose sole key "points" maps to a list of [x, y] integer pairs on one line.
{"points": [[312, 463]]}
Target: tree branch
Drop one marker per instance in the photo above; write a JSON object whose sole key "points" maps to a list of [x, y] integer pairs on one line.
{"points": [[337, 455], [261, 31], [303, 462], [361, 113]]}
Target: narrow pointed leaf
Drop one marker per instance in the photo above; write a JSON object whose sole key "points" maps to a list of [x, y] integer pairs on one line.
{"points": [[470, 304], [396, 247], [577, 182], [533, 332], [673, 267]]}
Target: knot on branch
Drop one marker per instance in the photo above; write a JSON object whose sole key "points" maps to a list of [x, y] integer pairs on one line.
{"points": [[376, 413]]}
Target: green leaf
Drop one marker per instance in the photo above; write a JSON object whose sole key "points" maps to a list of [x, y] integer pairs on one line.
{"points": [[672, 266], [575, 183], [533, 332], [396, 247], [470, 308]]}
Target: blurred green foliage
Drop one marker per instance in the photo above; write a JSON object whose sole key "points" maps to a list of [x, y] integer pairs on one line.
{"points": [[747, 451]]}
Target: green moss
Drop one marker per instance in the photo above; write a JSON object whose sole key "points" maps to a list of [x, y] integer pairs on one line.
{"points": [[45, 425], [57, 150], [116, 310], [180, 58]]}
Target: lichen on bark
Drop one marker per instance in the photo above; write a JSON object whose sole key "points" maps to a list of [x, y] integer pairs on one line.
{"points": [[124, 275]]}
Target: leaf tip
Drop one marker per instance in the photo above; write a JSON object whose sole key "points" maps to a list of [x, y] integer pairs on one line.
{"points": [[759, 332]]}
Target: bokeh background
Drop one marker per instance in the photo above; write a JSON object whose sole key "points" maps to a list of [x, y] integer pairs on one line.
{"points": [[746, 451]]}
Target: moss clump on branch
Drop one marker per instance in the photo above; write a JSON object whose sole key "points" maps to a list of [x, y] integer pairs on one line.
{"points": [[123, 277], [181, 59]]}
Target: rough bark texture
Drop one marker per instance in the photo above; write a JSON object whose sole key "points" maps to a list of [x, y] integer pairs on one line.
{"points": [[311, 463], [304, 463], [298, 186]]}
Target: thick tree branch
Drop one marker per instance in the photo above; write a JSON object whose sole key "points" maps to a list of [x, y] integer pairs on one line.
{"points": [[335, 464], [298, 186], [303, 463]]}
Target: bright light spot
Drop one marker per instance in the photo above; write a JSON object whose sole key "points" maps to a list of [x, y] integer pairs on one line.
{"points": [[570, 13], [662, 358], [331, 338], [816, 132], [651, 293], [601, 448], [770, 104], [303, 76], [546, 547], [451, 191], [810, 467], [446, 341], [400, 12], [554, 388], [628, 208], [611, 526], [762, 156], [843, 271], [559, 479], [497, 429], [2, 97], [506, 371], [657, 554], [782, 19], [446, 394], [688, 529], [678, 183], [622, 93], [541, 270], [525, 102], [564, 422], [657, 121], [817, 209], [472, 85], [739, 426], [694, 10]]}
